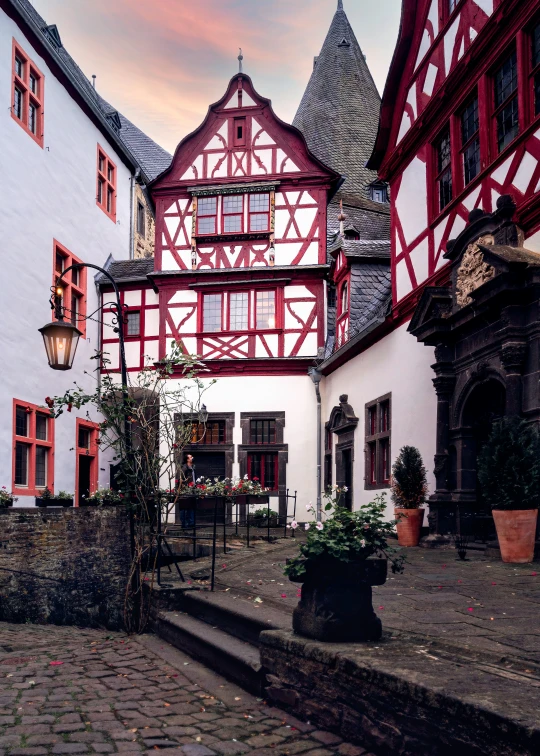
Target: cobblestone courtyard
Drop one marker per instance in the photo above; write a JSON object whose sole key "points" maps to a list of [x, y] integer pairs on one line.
{"points": [[73, 691]]}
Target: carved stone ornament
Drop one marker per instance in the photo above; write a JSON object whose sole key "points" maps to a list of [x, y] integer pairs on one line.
{"points": [[473, 271]]}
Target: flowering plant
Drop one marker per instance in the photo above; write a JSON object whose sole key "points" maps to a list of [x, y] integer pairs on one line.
{"points": [[229, 487], [6, 497], [105, 496], [346, 536]]}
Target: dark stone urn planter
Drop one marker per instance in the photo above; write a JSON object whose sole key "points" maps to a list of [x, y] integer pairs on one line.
{"points": [[336, 604], [6, 503]]}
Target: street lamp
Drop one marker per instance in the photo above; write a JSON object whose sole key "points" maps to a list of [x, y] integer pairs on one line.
{"points": [[203, 415], [61, 339]]}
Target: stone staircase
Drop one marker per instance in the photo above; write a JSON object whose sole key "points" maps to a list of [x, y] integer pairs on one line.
{"points": [[220, 631]]}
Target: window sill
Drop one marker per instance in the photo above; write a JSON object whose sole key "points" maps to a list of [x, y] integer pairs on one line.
{"points": [[234, 235]]}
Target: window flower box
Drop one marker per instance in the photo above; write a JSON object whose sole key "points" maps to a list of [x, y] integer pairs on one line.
{"points": [[54, 501]]}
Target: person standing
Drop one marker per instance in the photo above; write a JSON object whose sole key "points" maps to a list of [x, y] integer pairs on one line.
{"points": [[187, 473]]}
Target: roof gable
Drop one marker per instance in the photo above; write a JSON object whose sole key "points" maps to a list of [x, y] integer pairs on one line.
{"points": [[242, 138]]}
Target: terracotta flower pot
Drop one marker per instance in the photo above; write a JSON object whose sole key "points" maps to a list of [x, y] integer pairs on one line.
{"points": [[409, 524], [516, 529]]}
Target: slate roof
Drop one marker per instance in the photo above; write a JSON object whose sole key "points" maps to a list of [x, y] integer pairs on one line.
{"points": [[362, 248], [371, 294], [152, 158], [127, 270], [339, 112]]}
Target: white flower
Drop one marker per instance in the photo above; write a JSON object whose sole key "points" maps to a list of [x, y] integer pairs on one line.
{"points": [[319, 526], [245, 477], [307, 525], [345, 489], [363, 543], [293, 525], [309, 507]]}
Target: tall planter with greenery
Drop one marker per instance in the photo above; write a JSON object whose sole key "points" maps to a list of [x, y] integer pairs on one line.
{"points": [[409, 492], [509, 476], [344, 555]]}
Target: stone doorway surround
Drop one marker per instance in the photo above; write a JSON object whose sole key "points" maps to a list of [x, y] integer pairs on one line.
{"points": [[486, 333], [343, 423]]}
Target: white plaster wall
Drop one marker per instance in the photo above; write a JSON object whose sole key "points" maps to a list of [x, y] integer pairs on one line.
{"points": [[48, 194], [293, 395], [396, 364]]}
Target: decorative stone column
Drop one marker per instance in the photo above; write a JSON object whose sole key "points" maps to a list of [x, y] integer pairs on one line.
{"points": [[513, 358]]}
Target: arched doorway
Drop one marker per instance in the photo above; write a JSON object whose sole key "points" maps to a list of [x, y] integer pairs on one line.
{"points": [[485, 403]]}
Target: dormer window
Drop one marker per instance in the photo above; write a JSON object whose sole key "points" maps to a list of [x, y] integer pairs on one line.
{"points": [[351, 234], [378, 192]]}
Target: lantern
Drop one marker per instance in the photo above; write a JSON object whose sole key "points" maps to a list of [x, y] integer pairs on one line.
{"points": [[61, 339], [203, 415]]}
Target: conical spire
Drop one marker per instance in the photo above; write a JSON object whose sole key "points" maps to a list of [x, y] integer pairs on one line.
{"points": [[339, 112]]}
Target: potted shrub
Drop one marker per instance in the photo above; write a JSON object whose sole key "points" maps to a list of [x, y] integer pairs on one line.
{"points": [[47, 499], [6, 498], [409, 491], [262, 518], [509, 477], [342, 558]]}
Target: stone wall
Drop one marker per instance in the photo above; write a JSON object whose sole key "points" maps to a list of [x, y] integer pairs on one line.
{"points": [[397, 698], [64, 566], [143, 244]]}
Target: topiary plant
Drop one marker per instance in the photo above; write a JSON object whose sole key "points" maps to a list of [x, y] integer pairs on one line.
{"points": [[409, 484], [509, 465]]}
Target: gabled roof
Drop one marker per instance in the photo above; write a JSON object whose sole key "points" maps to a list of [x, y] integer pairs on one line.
{"points": [[131, 142], [127, 270], [339, 111], [362, 248]]}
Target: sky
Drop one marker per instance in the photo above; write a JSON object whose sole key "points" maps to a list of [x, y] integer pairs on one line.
{"points": [[163, 62]]}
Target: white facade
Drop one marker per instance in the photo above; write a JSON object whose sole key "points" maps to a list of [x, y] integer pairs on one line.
{"points": [[396, 365], [293, 395], [49, 194]]}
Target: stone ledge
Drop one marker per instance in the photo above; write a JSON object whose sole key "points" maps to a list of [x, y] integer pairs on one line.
{"points": [[396, 697]]}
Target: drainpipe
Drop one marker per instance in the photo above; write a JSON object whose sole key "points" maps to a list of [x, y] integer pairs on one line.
{"points": [[316, 377]]}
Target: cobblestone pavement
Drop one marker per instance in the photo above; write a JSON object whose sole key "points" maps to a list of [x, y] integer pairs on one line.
{"points": [[75, 691], [480, 605]]}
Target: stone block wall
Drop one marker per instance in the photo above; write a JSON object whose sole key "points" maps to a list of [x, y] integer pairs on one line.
{"points": [[64, 566], [399, 700], [143, 243]]}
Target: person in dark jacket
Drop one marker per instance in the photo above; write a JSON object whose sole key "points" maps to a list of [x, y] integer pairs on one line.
{"points": [[187, 473]]}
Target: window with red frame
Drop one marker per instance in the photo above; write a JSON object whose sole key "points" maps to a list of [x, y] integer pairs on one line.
{"points": [[262, 431], [132, 323], [73, 286], [344, 298], [238, 311], [87, 459], [264, 466], [27, 94], [259, 212], [106, 184], [535, 67], [443, 169], [506, 114], [33, 449], [232, 216], [470, 140], [265, 309], [207, 215], [212, 313], [377, 443]]}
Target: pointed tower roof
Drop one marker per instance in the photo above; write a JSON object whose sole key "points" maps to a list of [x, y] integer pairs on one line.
{"points": [[339, 112]]}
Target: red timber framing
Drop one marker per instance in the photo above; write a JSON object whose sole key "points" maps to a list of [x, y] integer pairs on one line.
{"points": [[483, 51], [141, 329], [86, 464], [73, 286], [27, 94], [33, 449], [241, 240]]}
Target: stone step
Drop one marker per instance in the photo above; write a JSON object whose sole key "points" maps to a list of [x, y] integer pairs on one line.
{"points": [[238, 617], [233, 658]]}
